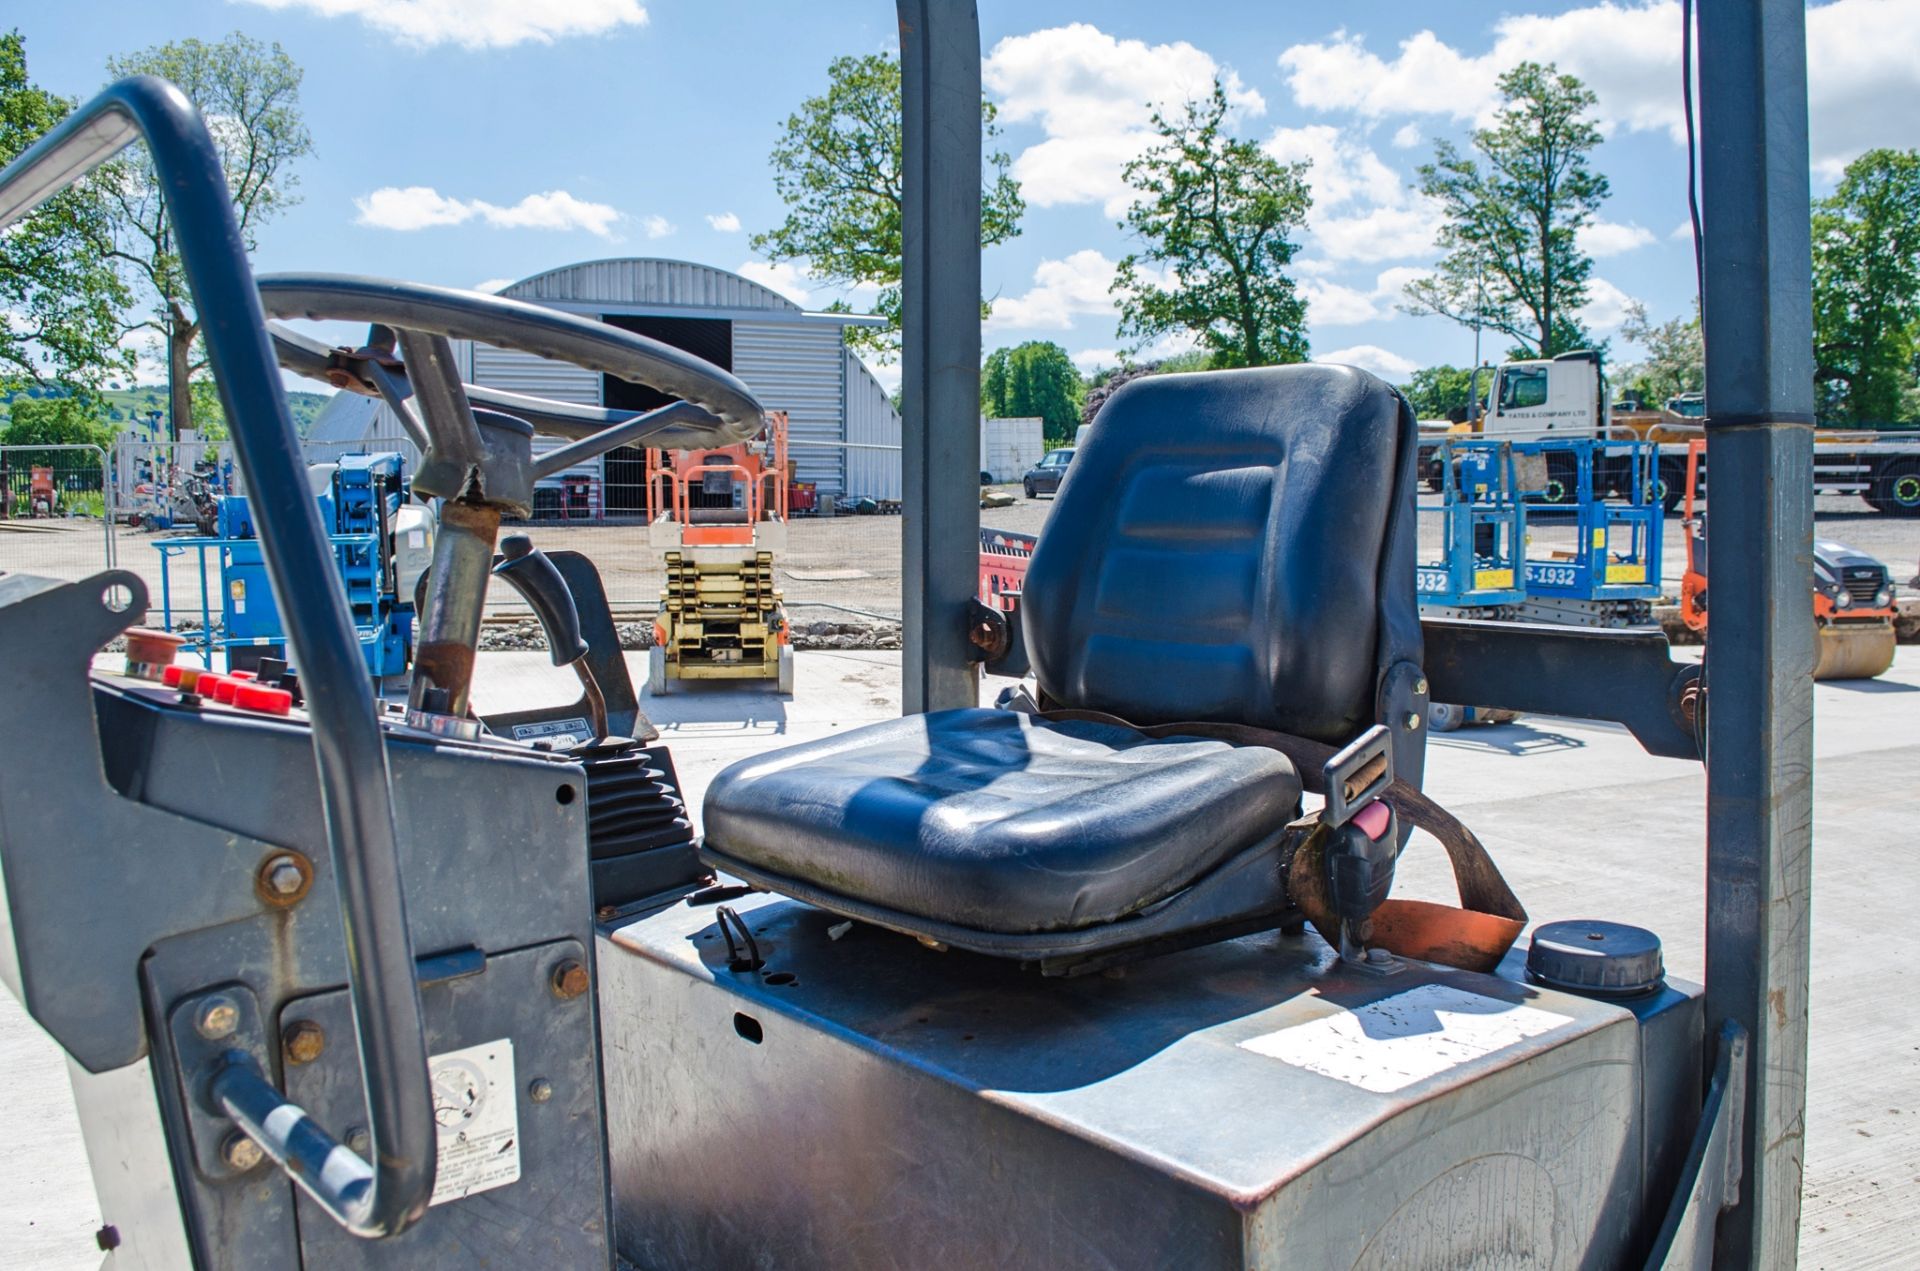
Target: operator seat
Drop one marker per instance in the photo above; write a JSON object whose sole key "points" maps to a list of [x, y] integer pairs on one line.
{"points": [[1234, 547]]}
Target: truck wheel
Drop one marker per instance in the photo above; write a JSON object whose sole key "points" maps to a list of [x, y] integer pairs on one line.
{"points": [[657, 681], [1670, 484], [785, 669], [1898, 487], [1563, 474]]}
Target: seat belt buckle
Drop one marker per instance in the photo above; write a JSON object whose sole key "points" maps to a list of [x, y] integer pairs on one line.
{"points": [[1357, 775]]}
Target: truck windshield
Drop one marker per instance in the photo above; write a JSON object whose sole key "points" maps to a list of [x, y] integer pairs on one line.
{"points": [[1521, 387]]}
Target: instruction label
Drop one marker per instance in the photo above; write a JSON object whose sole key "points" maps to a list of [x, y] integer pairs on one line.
{"points": [[1390, 1044], [476, 1105]]}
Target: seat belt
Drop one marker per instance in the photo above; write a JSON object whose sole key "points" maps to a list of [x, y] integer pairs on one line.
{"points": [[1475, 936]]}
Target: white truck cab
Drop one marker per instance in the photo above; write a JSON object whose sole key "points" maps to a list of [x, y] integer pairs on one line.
{"points": [[1562, 396]]}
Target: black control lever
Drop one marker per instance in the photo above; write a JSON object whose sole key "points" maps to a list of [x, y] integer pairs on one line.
{"points": [[539, 583], [541, 586]]}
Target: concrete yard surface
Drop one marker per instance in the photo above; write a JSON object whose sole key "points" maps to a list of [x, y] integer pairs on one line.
{"points": [[1582, 822]]}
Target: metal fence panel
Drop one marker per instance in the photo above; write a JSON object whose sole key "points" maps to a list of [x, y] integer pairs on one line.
{"points": [[55, 511]]}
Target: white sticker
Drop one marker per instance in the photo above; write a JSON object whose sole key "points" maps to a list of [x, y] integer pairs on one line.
{"points": [[1390, 1044], [475, 1103], [416, 538]]}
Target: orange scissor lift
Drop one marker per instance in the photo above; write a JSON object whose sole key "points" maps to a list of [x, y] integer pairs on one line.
{"points": [[719, 517]]}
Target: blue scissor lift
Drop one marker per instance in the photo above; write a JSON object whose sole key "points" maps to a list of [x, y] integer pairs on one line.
{"points": [[1591, 562], [1478, 571]]}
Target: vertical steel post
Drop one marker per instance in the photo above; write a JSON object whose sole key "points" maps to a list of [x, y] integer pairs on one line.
{"points": [[1760, 644], [940, 382]]}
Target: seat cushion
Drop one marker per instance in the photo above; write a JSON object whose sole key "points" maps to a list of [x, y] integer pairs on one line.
{"points": [[998, 821]]}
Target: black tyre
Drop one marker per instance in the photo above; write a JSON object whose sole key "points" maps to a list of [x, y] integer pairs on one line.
{"points": [[1670, 484], [1563, 474], [1897, 485], [1028, 486]]}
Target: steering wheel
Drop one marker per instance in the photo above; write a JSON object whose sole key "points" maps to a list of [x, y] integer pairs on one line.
{"points": [[425, 317]]}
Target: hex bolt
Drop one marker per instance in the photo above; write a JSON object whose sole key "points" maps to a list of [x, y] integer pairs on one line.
{"points": [[284, 877], [218, 1017], [569, 979], [1420, 686], [303, 1042], [1379, 957], [357, 1139], [540, 1090], [240, 1152], [1413, 721]]}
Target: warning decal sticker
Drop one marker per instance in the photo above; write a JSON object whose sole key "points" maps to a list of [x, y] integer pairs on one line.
{"points": [[475, 1103], [1390, 1044]]}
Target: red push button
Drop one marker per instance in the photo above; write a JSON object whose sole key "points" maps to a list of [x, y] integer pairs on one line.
{"points": [[224, 690], [260, 697]]}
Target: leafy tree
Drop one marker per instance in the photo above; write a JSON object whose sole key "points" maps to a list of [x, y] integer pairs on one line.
{"points": [[1512, 261], [56, 421], [1442, 392], [1213, 215], [1676, 359], [1866, 287], [1035, 378], [250, 94], [838, 167], [60, 300]]}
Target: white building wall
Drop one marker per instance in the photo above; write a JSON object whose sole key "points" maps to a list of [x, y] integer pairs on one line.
{"points": [[797, 368], [871, 421], [1008, 447]]}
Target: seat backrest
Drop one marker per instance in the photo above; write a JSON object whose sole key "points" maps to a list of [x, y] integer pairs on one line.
{"points": [[1235, 546]]}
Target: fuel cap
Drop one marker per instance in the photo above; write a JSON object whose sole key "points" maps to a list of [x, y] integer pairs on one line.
{"points": [[1595, 958]]}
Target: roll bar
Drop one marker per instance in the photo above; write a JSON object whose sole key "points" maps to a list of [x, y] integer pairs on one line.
{"points": [[382, 1197]]}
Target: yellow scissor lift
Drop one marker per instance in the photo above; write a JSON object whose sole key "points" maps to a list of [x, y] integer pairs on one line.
{"points": [[719, 517]]}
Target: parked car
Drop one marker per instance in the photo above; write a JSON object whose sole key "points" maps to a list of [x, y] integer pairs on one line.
{"points": [[1045, 477]]}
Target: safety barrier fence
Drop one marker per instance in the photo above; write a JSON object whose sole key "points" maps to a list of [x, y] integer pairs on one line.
{"points": [[53, 510]]}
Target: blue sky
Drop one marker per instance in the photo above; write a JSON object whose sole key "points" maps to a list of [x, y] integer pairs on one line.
{"points": [[471, 141]]}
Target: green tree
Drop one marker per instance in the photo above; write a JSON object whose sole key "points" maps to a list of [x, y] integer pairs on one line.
{"points": [[1513, 263], [250, 94], [1441, 392], [60, 300], [1866, 287], [56, 421], [837, 165], [1676, 360], [1035, 378], [1213, 214]]}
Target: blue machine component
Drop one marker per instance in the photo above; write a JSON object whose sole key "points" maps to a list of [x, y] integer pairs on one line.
{"points": [[359, 505], [1590, 561], [1484, 532]]}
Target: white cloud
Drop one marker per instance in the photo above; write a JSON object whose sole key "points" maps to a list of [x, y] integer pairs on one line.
{"points": [[1683, 232], [1610, 238], [1406, 136], [478, 24], [1607, 306], [657, 226], [1062, 290], [1362, 210], [1091, 360], [409, 208], [1332, 304], [1863, 68], [1385, 363], [725, 222], [785, 278], [417, 207], [1093, 96], [494, 285]]}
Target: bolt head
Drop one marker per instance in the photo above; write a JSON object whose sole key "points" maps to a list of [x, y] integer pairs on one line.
{"points": [[1379, 957], [304, 1041], [1420, 686], [540, 1090], [1413, 721], [284, 877], [218, 1017], [357, 1139], [241, 1152], [569, 979]]}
